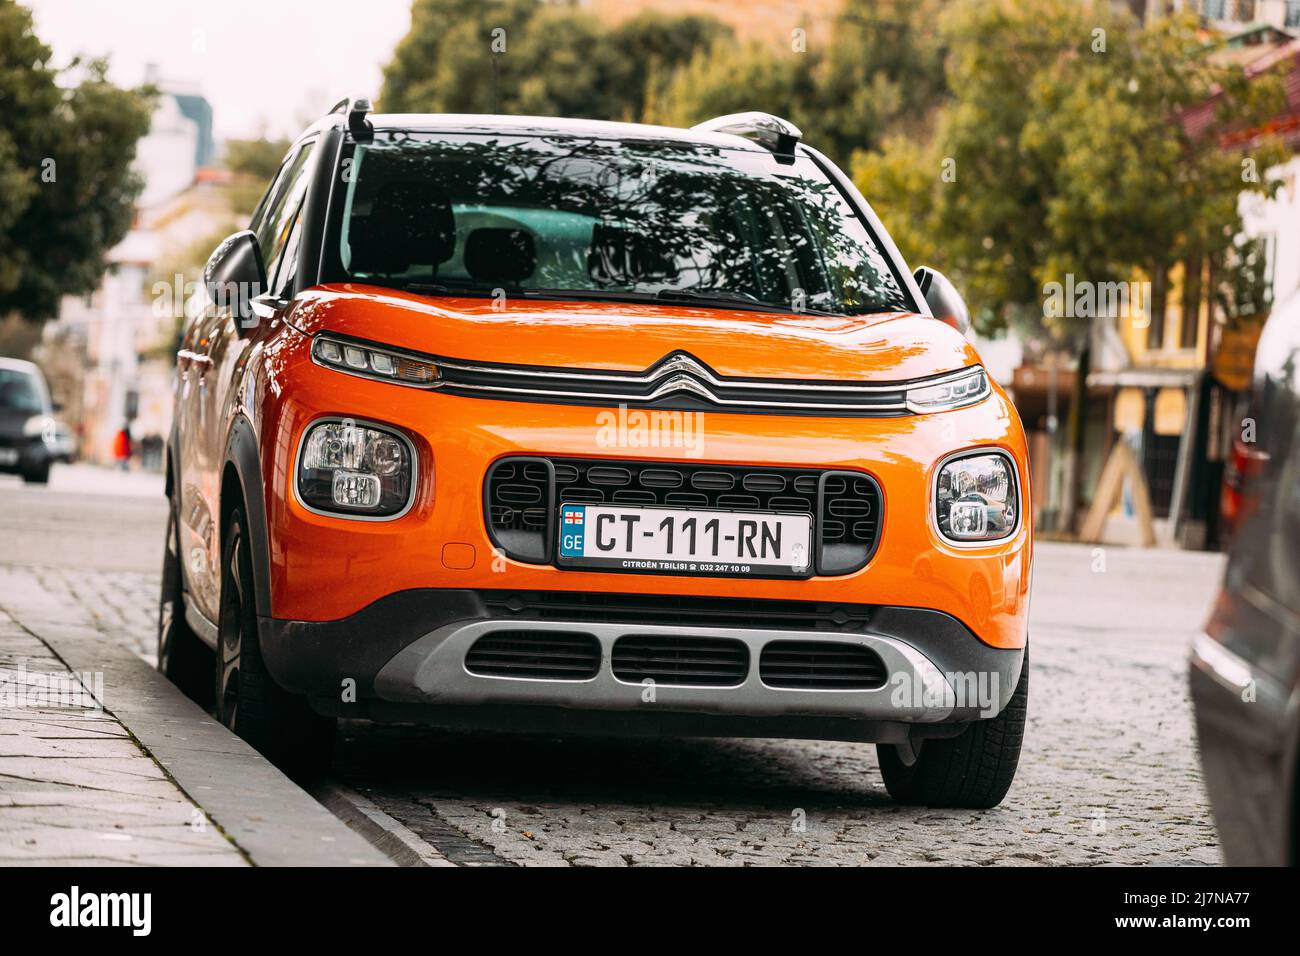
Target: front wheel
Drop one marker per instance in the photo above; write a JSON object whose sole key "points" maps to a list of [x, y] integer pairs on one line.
{"points": [[277, 723], [972, 770]]}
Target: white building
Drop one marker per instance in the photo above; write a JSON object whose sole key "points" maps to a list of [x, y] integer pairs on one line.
{"points": [[1231, 16]]}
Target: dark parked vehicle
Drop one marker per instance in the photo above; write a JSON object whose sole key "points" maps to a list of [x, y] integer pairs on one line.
{"points": [[1245, 667], [28, 431]]}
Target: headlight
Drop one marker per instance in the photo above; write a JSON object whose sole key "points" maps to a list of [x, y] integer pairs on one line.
{"points": [[976, 498], [373, 362], [41, 425], [352, 469], [964, 388]]}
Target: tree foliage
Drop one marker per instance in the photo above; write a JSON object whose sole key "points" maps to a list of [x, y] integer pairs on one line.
{"points": [[1067, 155], [880, 72], [519, 56], [253, 163], [67, 141]]}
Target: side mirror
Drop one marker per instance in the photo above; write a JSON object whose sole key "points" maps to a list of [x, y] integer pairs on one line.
{"points": [[234, 276], [942, 297]]}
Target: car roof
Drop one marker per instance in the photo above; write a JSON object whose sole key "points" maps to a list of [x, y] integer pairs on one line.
{"points": [[549, 125], [18, 365]]}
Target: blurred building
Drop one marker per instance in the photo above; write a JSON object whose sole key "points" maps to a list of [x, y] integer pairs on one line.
{"points": [[125, 329], [1232, 16]]}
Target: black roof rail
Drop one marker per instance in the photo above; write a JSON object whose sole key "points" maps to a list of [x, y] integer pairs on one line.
{"points": [[356, 108], [771, 132]]}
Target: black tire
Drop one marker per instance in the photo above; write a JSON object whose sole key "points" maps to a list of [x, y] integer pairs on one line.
{"points": [[182, 656], [277, 723], [40, 475], [972, 770]]}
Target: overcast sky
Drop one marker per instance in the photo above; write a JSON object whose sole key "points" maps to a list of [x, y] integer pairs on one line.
{"points": [[264, 65]]}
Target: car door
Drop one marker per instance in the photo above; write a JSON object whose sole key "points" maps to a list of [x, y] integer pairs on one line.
{"points": [[223, 348], [210, 346]]}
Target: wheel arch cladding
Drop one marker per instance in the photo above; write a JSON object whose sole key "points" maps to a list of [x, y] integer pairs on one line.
{"points": [[242, 477]]}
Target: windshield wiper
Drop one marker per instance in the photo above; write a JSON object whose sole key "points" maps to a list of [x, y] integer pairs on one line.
{"points": [[434, 288], [720, 299], [730, 298], [705, 295]]}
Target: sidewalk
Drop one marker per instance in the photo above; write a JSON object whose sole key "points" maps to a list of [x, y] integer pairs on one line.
{"points": [[119, 768]]}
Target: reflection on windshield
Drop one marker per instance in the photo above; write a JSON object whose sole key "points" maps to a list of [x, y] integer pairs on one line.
{"points": [[607, 218]]}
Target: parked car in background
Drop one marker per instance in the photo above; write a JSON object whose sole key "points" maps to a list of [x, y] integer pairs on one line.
{"points": [[1245, 668], [28, 432], [589, 427]]}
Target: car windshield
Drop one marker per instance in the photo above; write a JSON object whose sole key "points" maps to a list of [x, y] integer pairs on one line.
{"points": [[605, 219], [19, 392]]}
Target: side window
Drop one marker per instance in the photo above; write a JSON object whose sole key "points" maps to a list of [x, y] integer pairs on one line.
{"points": [[289, 259], [270, 200], [281, 218], [281, 209]]}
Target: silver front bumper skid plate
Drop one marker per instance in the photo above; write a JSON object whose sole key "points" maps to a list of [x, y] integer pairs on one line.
{"points": [[432, 671]]}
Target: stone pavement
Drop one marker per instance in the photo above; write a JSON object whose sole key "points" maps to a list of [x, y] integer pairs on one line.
{"points": [[76, 788], [120, 768]]}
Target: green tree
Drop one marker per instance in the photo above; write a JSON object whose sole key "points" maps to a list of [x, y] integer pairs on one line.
{"points": [[726, 79], [253, 163], [881, 72], [67, 192], [648, 50], [519, 56]]}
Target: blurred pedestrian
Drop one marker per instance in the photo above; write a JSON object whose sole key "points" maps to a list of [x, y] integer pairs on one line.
{"points": [[122, 446]]}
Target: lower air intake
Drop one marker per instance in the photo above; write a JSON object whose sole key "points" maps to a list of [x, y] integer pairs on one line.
{"points": [[535, 654], [817, 665], [684, 661]]}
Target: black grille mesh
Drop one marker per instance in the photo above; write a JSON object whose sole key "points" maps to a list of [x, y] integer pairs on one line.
{"points": [[522, 495], [538, 654], [818, 664], [684, 661]]}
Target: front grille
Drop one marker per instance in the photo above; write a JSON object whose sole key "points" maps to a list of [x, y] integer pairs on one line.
{"points": [[678, 381], [523, 493], [537, 654], [820, 665], [670, 609], [684, 661]]}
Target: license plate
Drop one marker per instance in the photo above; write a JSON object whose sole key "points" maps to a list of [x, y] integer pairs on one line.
{"points": [[677, 541], [8, 456]]}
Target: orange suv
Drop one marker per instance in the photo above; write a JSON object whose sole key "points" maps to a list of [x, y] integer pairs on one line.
{"points": [[584, 427]]}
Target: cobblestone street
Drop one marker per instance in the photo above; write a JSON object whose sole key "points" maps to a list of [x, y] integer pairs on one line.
{"points": [[1108, 774]]}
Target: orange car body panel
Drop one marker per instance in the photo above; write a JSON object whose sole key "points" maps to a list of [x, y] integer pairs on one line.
{"points": [[325, 568]]}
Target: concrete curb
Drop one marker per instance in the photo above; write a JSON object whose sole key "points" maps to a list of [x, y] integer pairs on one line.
{"points": [[269, 817], [392, 836]]}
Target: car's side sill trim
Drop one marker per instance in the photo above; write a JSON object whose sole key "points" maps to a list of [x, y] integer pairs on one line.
{"points": [[205, 629]]}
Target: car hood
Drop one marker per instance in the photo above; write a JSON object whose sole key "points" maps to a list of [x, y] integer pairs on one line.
{"points": [[625, 336]]}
